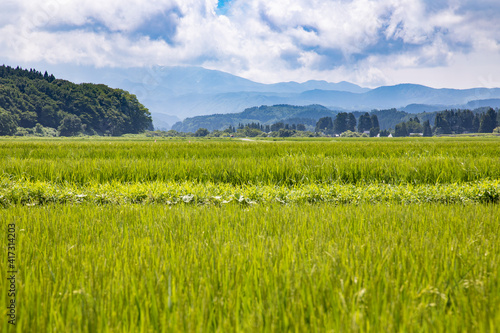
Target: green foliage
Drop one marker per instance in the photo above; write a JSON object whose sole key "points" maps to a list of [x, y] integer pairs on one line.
{"points": [[488, 122], [350, 134], [26, 192], [201, 132], [341, 122], [325, 125], [351, 122], [364, 123], [427, 131], [384, 133], [389, 118], [249, 132], [169, 133], [37, 131], [344, 122], [301, 127], [71, 125], [464, 121], [414, 126], [286, 133], [8, 124], [374, 131], [401, 130], [374, 121], [32, 98], [375, 126]]}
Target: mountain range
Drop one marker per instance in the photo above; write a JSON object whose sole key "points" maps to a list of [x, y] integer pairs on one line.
{"points": [[176, 93]]}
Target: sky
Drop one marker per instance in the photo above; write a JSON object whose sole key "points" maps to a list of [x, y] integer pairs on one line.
{"points": [[438, 43]]}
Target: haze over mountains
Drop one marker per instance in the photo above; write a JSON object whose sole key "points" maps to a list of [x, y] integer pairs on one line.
{"points": [[176, 93]]}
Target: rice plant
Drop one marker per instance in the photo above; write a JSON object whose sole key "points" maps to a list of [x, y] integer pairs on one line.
{"points": [[262, 268], [121, 235]]}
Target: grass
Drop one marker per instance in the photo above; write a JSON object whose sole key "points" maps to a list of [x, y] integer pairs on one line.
{"points": [[132, 235], [237, 163], [32, 193], [262, 268]]}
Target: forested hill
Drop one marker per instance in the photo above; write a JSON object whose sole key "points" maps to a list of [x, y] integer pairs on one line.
{"points": [[266, 115], [29, 98], [289, 114]]}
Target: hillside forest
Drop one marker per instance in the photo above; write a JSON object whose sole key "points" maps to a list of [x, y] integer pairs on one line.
{"points": [[36, 103]]}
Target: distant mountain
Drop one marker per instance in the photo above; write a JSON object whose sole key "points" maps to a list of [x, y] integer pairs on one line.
{"points": [[193, 91], [190, 91], [493, 103], [417, 108], [287, 87], [397, 96], [180, 81], [163, 121]]}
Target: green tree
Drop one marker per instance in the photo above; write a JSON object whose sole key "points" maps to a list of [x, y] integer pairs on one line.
{"points": [[475, 123], [488, 122], [466, 121], [325, 125], [441, 124], [201, 132], [249, 131], [71, 125], [301, 127], [340, 123], [375, 129], [351, 123], [384, 133], [427, 128], [8, 124], [277, 126], [400, 130], [374, 120], [364, 123], [413, 126], [285, 133]]}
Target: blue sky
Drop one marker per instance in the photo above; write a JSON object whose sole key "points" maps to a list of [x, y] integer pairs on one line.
{"points": [[223, 6], [441, 43]]}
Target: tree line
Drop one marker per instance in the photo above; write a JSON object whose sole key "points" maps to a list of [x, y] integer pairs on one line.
{"points": [[345, 124], [452, 122]]}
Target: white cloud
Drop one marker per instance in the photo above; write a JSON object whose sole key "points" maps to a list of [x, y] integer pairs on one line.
{"points": [[369, 42]]}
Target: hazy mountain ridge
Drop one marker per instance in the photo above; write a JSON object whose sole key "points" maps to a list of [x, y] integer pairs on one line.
{"points": [[193, 91], [187, 92]]}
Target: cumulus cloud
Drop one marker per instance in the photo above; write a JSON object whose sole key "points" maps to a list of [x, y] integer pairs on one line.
{"points": [[370, 42]]}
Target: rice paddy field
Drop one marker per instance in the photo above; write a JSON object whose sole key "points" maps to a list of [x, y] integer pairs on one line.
{"points": [[138, 235]]}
